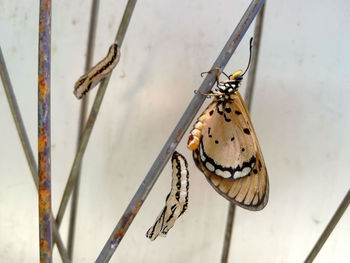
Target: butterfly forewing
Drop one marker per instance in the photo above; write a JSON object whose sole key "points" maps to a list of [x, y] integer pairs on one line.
{"points": [[229, 154]]}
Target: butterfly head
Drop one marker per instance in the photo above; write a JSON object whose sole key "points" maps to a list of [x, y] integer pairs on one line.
{"points": [[227, 88]]}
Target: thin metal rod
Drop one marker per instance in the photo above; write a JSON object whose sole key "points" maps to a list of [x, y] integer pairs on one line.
{"points": [[44, 133], [92, 118], [255, 56], [82, 121], [11, 98], [329, 228], [169, 147], [228, 233], [248, 99], [26, 146]]}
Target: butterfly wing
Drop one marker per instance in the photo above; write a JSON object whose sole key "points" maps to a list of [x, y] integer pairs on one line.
{"points": [[229, 154]]}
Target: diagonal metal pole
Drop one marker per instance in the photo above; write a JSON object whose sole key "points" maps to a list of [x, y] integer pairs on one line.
{"points": [[82, 121], [248, 99], [44, 131], [169, 147], [92, 117], [11, 98], [329, 228], [26, 146]]}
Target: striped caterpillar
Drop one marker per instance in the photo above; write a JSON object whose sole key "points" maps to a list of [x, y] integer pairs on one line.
{"points": [[177, 200], [98, 72]]}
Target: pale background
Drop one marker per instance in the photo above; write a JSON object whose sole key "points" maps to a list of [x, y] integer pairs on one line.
{"points": [[300, 110]]}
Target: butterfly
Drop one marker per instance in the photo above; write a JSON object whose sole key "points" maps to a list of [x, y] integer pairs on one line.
{"points": [[176, 202], [226, 149]]}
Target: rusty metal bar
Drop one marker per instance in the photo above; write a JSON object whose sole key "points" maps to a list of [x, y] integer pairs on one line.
{"points": [[26, 146], [329, 228], [169, 147], [44, 133], [92, 117], [82, 121], [248, 99]]}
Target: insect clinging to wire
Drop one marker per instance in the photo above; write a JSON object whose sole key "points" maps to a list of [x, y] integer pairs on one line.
{"points": [[225, 146]]}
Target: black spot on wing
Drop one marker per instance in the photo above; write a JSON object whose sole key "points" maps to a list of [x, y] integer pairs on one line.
{"points": [[209, 132], [226, 119], [246, 131]]}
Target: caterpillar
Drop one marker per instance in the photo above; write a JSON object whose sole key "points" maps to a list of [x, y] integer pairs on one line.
{"points": [[98, 72], [176, 202], [226, 149]]}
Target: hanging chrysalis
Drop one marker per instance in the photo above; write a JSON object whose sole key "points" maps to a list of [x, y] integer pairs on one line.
{"points": [[226, 149], [177, 200], [98, 72]]}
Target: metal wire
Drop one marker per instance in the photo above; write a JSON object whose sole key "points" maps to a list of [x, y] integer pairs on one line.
{"points": [[26, 146], [329, 228], [228, 233], [255, 56], [169, 147], [17, 118], [82, 121], [44, 131], [92, 117], [248, 99]]}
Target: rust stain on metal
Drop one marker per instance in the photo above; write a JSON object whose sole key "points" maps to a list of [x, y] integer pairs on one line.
{"points": [[137, 207], [126, 220], [44, 244], [42, 139], [48, 5], [178, 136], [119, 234], [43, 85], [41, 26], [44, 198]]}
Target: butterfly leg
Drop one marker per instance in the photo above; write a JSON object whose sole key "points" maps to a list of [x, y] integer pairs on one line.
{"points": [[217, 74]]}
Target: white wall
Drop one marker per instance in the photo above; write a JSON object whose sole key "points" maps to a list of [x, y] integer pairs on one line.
{"points": [[300, 111]]}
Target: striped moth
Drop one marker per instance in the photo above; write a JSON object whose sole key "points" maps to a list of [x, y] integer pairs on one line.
{"points": [[98, 72], [226, 149], [177, 200]]}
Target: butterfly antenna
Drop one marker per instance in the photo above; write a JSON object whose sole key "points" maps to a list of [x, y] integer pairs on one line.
{"points": [[250, 55], [226, 75]]}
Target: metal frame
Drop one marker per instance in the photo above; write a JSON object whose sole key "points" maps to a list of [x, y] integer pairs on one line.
{"points": [[48, 225]]}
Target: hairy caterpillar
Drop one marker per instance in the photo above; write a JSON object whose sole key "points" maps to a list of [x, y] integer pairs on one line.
{"points": [[98, 72], [226, 149], [177, 200]]}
